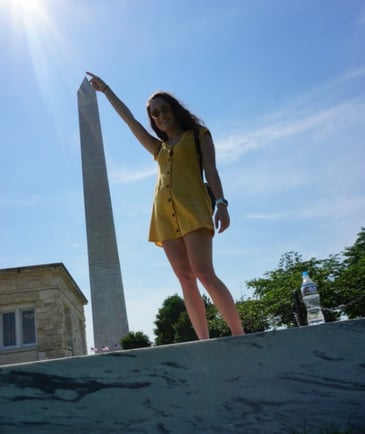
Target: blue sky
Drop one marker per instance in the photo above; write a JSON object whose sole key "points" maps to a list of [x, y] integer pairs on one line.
{"points": [[280, 84]]}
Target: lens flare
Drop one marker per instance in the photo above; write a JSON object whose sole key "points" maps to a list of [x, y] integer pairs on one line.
{"points": [[36, 27], [27, 6]]}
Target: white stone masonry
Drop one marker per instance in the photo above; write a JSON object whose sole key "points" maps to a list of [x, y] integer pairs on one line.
{"points": [[106, 287]]}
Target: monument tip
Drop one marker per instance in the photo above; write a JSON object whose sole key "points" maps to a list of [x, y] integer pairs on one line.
{"points": [[86, 88]]}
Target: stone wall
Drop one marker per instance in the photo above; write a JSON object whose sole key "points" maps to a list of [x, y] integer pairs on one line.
{"points": [[308, 380], [58, 306]]}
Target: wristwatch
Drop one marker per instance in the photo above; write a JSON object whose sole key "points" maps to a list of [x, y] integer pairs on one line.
{"points": [[222, 200]]}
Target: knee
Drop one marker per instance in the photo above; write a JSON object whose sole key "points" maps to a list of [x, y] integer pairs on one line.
{"points": [[185, 276], [205, 275]]}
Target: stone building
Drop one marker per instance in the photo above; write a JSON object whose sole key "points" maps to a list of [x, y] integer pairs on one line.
{"points": [[41, 314]]}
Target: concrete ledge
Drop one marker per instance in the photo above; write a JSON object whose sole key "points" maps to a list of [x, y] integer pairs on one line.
{"points": [[296, 380]]}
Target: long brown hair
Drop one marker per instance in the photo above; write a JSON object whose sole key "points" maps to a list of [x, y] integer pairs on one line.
{"points": [[186, 120]]}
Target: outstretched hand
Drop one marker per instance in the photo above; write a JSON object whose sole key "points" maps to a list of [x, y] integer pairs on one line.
{"points": [[221, 218], [96, 82]]}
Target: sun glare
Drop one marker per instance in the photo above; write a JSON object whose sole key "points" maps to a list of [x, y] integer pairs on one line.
{"points": [[32, 28], [28, 6], [23, 8], [27, 11]]}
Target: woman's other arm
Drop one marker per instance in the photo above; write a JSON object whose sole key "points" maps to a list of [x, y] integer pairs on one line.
{"points": [[221, 217]]}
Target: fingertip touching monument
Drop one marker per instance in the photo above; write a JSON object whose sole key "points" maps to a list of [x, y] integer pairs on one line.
{"points": [[106, 287]]}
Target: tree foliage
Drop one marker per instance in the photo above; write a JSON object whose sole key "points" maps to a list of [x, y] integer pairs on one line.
{"points": [[275, 289], [172, 322], [135, 340], [252, 314], [340, 282], [216, 325], [350, 284], [174, 325]]}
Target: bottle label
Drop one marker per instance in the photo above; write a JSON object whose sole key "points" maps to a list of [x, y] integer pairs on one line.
{"points": [[309, 289]]}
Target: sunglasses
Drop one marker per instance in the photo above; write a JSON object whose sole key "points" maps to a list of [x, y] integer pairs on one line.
{"points": [[164, 109]]}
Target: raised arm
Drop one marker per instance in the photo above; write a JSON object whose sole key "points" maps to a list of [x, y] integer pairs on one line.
{"points": [[143, 136]]}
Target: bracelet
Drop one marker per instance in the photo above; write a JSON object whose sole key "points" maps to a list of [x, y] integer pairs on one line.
{"points": [[105, 88], [222, 201]]}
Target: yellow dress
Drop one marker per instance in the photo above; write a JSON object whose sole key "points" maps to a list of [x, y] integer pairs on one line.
{"points": [[181, 201]]}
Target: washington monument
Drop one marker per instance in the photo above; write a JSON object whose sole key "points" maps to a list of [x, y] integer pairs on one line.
{"points": [[106, 286]]}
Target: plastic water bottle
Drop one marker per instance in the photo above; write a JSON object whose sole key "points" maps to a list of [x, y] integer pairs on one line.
{"points": [[311, 300]]}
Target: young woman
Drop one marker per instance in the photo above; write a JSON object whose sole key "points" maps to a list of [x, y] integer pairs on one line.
{"points": [[182, 212]]}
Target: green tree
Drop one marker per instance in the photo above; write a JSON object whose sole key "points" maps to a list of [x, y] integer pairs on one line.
{"points": [[252, 314], [184, 331], [174, 325], [350, 283], [172, 322], [275, 289], [216, 325], [135, 340]]}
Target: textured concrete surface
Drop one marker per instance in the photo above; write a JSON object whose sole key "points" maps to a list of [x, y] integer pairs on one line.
{"points": [[106, 287], [297, 380]]}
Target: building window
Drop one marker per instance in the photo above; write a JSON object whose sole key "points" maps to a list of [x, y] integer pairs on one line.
{"points": [[9, 329], [17, 328], [28, 325]]}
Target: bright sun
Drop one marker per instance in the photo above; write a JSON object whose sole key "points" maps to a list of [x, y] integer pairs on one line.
{"points": [[30, 21], [24, 11], [27, 6]]}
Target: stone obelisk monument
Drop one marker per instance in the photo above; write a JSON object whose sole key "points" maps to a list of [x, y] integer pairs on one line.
{"points": [[106, 286]]}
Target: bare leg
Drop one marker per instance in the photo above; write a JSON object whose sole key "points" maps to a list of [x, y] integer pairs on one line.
{"points": [[177, 255], [191, 259], [199, 250]]}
